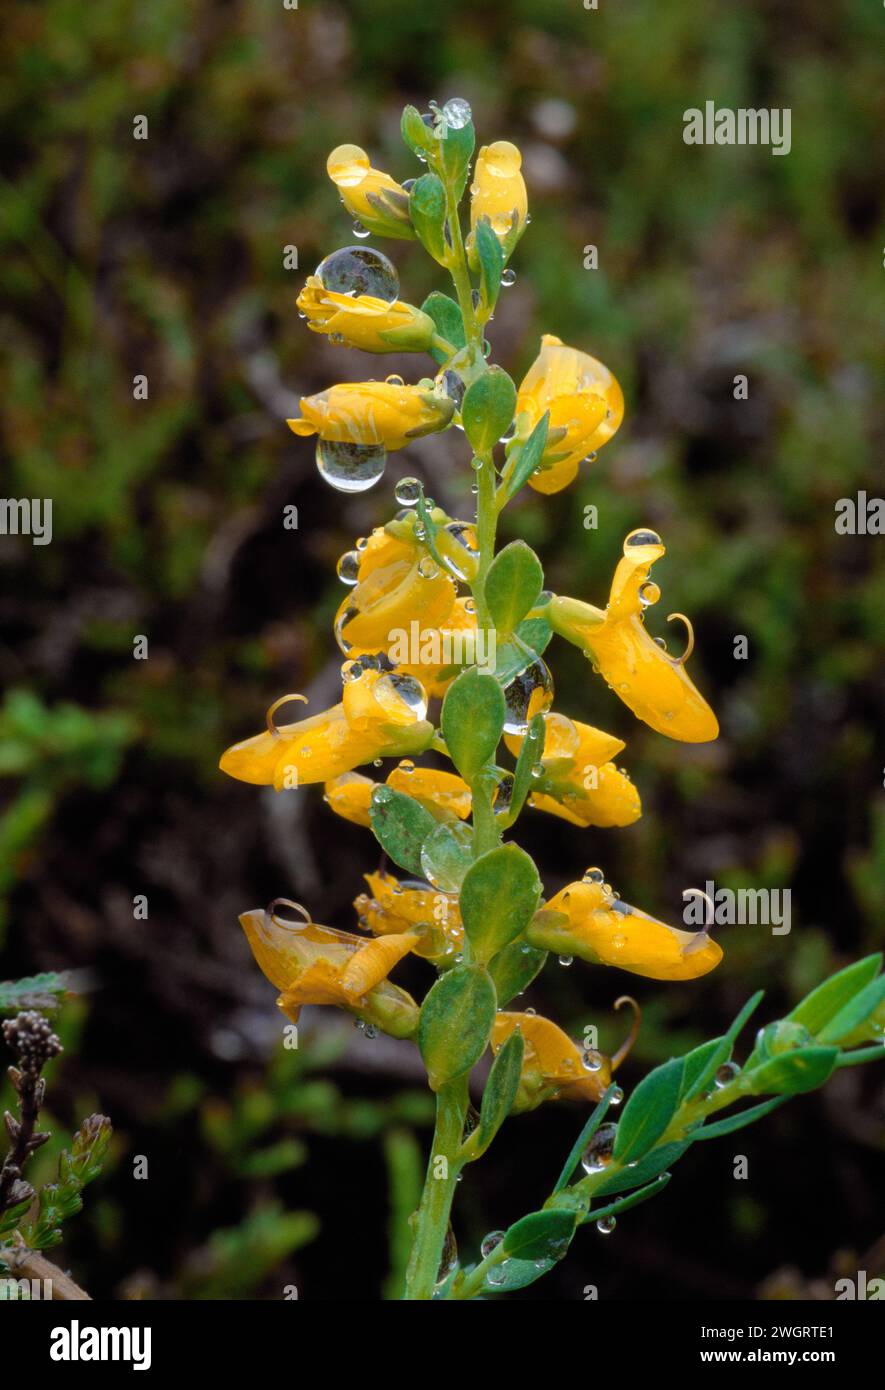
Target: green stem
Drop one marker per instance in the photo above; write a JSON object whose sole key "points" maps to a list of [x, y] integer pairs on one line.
{"points": [[436, 1200]]}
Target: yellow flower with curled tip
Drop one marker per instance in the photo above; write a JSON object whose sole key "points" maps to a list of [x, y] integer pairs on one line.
{"points": [[587, 920], [400, 592], [498, 193], [653, 684], [373, 412], [373, 197], [381, 714], [586, 407], [365, 321], [578, 780], [444, 794], [553, 1067], [392, 906], [312, 964]]}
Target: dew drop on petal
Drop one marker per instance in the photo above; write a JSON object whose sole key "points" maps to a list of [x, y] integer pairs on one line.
{"points": [[348, 567], [358, 270], [350, 467]]}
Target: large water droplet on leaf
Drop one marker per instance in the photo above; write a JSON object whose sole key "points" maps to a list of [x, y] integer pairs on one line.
{"points": [[350, 467], [528, 694], [360, 270]]}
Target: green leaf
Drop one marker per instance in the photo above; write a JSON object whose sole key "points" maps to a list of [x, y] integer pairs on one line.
{"points": [[701, 1065], [491, 264], [542, 1235], [514, 968], [654, 1163], [500, 1091], [446, 855], [791, 1073], [583, 1139], [824, 1002], [625, 1203], [472, 720], [453, 153], [734, 1122], [449, 322], [535, 633], [649, 1111], [487, 409], [499, 896], [418, 136], [527, 457], [855, 1012], [401, 826], [530, 752], [456, 1023], [427, 210], [518, 1274], [513, 583]]}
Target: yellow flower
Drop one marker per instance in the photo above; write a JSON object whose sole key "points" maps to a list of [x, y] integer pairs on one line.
{"points": [[311, 964], [381, 714], [579, 781], [399, 590], [364, 321], [654, 685], [373, 412], [586, 407], [374, 198], [586, 919], [442, 793], [553, 1066], [498, 193], [396, 907]]}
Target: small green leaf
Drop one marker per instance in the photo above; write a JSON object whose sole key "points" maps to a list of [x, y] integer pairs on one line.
{"points": [[791, 1073], [449, 322], [530, 752], [527, 457], [453, 153], [514, 968], [649, 1110], [649, 1167], [518, 1274], [418, 136], [472, 721], [456, 1023], [542, 1235], [824, 1002], [487, 409], [401, 826], [735, 1122], [446, 855], [855, 1012], [500, 1091], [513, 583], [634, 1199], [491, 264], [701, 1065], [499, 896], [427, 210]]}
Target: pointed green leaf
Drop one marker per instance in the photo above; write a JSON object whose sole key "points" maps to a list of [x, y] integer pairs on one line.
{"points": [[514, 968], [513, 583], [824, 1002], [500, 1091], [649, 1111], [401, 826], [449, 322], [499, 896], [855, 1012], [487, 409], [655, 1162], [735, 1122], [427, 210], [472, 721], [542, 1235], [530, 752], [791, 1073], [491, 264], [528, 455], [456, 1023]]}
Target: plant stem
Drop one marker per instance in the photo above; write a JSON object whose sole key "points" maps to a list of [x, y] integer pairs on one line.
{"points": [[436, 1199]]}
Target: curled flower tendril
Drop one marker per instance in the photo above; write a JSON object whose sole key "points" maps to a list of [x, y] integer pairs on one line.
{"points": [[629, 1042], [681, 660], [294, 907], [278, 704]]}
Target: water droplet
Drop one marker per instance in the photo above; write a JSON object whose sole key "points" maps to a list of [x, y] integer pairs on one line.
{"points": [[593, 876], [527, 694], [394, 380], [662, 643], [360, 270], [491, 1242], [427, 567], [457, 113], [381, 795], [508, 278], [359, 230], [371, 1031], [566, 960], [404, 689], [641, 536], [592, 1060], [497, 1274], [598, 1153], [450, 384], [408, 492], [449, 1259], [350, 467], [727, 1073], [616, 1096], [649, 593], [348, 567], [606, 1225], [464, 536]]}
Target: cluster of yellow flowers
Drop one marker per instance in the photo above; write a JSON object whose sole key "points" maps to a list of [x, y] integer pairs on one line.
{"points": [[424, 572]]}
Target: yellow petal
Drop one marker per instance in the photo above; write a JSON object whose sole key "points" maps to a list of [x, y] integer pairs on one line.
{"points": [[350, 796]]}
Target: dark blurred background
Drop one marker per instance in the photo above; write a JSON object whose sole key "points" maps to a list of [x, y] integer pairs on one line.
{"points": [[165, 257]]}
